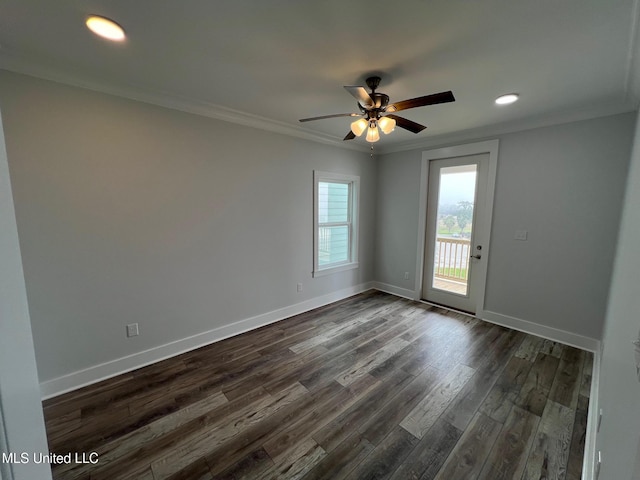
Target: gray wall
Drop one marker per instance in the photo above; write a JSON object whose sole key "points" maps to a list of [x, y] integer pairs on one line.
{"points": [[564, 184], [619, 394], [21, 420], [129, 212], [398, 192]]}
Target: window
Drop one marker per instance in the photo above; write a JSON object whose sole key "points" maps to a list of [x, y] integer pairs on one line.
{"points": [[335, 229]]}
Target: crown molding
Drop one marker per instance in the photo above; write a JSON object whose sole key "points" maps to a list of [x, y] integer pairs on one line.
{"points": [[210, 110]]}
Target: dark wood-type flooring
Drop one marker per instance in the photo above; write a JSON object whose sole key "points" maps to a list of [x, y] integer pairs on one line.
{"points": [[371, 387]]}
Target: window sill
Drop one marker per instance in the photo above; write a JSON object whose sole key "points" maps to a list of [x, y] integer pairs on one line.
{"points": [[336, 269]]}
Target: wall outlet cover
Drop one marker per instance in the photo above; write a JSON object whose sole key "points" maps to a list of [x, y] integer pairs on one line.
{"points": [[132, 330]]}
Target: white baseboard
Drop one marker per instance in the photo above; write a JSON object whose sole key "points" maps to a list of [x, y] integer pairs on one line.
{"points": [[551, 333], [72, 381], [392, 289]]}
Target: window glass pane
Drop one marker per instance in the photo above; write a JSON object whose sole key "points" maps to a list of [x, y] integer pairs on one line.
{"points": [[333, 202], [333, 244]]}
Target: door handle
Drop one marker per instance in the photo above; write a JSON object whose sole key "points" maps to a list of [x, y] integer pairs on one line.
{"points": [[476, 256]]}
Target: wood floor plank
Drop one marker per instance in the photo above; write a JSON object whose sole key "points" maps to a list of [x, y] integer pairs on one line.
{"points": [[549, 347], [510, 452], [364, 320], [254, 465], [386, 457], [469, 455], [298, 462], [576, 451], [383, 421], [100, 392], [257, 435], [428, 456], [373, 386], [463, 408], [335, 432], [587, 373], [568, 381], [533, 394], [199, 445], [425, 414], [313, 375], [198, 470], [339, 463], [120, 447], [550, 452], [428, 352], [284, 443], [474, 353], [500, 400], [143, 453], [370, 362], [529, 348]]}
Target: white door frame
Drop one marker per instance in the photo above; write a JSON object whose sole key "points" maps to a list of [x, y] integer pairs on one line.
{"points": [[490, 147], [20, 397]]}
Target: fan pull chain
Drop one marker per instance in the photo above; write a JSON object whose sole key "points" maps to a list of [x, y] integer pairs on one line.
{"points": [[372, 150]]}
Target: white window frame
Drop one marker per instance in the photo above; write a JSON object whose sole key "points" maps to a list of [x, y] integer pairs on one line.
{"points": [[352, 222]]}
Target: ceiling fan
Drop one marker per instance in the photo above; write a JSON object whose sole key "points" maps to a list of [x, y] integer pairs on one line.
{"points": [[375, 111]]}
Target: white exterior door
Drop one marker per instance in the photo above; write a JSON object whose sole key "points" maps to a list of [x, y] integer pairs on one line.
{"points": [[456, 231]]}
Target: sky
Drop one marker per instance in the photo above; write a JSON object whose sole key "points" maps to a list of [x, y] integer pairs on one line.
{"points": [[457, 187]]}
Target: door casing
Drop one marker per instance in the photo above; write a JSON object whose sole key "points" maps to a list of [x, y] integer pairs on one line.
{"points": [[484, 239]]}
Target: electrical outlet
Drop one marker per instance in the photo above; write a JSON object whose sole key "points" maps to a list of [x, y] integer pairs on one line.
{"points": [[406, 275], [299, 287], [132, 330]]}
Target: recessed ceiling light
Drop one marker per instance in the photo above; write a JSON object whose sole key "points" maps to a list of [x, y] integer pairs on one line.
{"points": [[507, 99], [105, 28]]}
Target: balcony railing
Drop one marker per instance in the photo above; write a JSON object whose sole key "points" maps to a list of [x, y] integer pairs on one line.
{"points": [[452, 258]]}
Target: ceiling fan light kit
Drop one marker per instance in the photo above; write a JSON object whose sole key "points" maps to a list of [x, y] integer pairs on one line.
{"points": [[359, 126], [375, 111], [372, 134], [387, 125]]}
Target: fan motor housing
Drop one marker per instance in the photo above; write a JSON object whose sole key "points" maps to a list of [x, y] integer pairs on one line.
{"points": [[380, 102]]}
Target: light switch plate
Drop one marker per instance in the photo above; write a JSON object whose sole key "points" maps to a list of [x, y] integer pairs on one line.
{"points": [[521, 235]]}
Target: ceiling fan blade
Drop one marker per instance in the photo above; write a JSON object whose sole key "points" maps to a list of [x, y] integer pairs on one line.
{"points": [[360, 94], [442, 97], [330, 116], [349, 136], [407, 124]]}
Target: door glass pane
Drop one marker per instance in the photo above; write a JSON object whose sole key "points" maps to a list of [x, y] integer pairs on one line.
{"points": [[456, 197]]}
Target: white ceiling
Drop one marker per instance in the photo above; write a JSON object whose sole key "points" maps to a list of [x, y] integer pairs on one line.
{"points": [[268, 63]]}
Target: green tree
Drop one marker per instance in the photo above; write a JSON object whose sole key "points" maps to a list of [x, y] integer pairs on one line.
{"points": [[464, 215], [449, 222]]}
